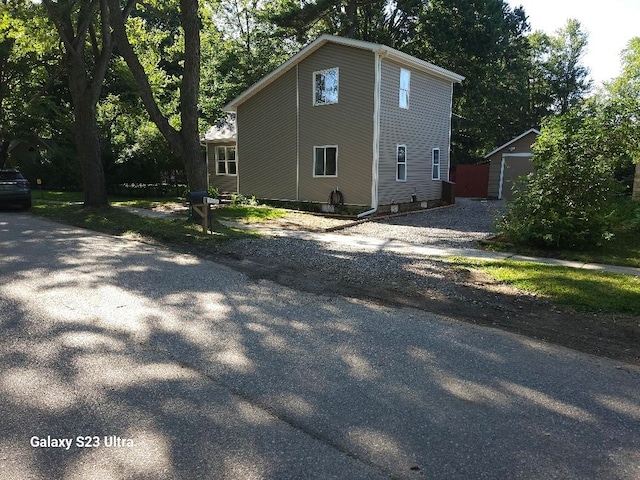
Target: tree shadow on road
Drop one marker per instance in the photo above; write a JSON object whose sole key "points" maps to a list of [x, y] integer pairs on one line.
{"points": [[212, 375]]}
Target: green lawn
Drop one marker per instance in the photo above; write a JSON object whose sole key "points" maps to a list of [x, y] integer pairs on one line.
{"points": [[582, 289], [52, 196], [623, 249], [246, 213], [117, 221]]}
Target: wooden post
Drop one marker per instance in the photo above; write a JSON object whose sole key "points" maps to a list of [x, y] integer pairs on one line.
{"points": [[202, 209]]}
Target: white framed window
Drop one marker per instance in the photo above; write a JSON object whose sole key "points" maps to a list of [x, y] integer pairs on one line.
{"points": [[325, 87], [405, 85], [226, 161], [325, 161], [401, 165], [435, 164]]}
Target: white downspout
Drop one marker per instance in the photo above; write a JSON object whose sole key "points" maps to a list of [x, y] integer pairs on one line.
{"points": [[297, 133], [376, 136]]}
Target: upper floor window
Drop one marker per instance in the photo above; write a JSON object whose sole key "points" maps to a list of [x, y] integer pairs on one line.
{"points": [[226, 161], [325, 87], [405, 82], [435, 164], [401, 170]]}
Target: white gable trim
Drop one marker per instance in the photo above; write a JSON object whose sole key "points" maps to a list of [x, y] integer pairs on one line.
{"points": [[512, 141], [382, 50]]}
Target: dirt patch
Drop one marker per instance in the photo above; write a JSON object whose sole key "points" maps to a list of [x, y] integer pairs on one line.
{"points": [[306, 221]]}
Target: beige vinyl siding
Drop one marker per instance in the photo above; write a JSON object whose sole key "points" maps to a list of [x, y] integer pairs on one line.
{"points": [[425, 125], [494, 175], [267, 141], [522, 145], [224, 183], [347, 124]]}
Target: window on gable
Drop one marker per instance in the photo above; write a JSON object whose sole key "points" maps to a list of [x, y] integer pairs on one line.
{"points": [[401, 170], [405, 82], [435, 164], [325, 87], [325, 161], [226, 161]]}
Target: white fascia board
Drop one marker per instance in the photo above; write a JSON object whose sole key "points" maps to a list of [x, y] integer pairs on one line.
{"points": [[421, 65], [512, 141], [277, 73]]}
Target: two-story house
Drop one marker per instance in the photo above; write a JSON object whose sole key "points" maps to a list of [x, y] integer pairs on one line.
{"points": [[364, 119]]}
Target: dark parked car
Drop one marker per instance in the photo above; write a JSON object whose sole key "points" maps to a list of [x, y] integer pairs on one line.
{"points": [[14, 188]]}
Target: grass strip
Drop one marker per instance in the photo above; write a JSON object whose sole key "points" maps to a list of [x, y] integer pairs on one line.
{"points": [[117, 221], [585, 290]]}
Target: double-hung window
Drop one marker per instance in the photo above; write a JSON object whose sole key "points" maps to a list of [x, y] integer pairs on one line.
{"points": [[401, 170], [325, 87], [405, 83], [226, 161], [325, 161], [435, 164]]}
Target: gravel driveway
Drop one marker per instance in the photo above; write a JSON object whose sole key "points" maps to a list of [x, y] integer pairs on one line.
{"points": [[350, 269], [457, 226]]}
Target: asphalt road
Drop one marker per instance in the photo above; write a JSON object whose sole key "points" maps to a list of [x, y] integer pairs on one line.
{"points": [[155, 365]]}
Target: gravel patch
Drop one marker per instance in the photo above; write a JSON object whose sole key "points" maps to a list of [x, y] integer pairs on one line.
{"points": [[339, 266], [459, 226]]}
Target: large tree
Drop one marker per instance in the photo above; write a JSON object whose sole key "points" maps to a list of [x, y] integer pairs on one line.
{"points": [[28, 71], [562, 80], [85, 34], [485, 41], [184, 141], [619, 117], [382, 21], [240, 46]]}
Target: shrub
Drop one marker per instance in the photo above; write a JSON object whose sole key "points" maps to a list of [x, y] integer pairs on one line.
{"points": [[567, 202], [239, 199]]}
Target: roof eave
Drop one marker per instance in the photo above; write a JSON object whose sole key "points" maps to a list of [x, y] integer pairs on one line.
{"points": [[319, 42], [522, 135], [421, 65]]}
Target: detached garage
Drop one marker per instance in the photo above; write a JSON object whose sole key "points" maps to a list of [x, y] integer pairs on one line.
{"points": [[508, 162]]}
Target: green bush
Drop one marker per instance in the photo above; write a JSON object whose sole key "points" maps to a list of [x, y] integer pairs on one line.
{"points": [[567, 203], [239, 199]]}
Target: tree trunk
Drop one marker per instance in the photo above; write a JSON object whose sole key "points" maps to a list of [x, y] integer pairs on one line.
{"points": [[194, 162], [89, 153], [636, 184], [4, 152], [87, 137], [85, 84], [185, 144]]}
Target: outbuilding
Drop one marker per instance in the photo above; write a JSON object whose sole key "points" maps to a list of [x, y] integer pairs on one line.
{"points": [[508, 162]]}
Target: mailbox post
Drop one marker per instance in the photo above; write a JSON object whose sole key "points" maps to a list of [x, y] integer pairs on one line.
{"points": [[200, 204]]}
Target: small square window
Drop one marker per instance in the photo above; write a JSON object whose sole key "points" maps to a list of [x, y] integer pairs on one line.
{"points": [[325, 161], [226, 161]]}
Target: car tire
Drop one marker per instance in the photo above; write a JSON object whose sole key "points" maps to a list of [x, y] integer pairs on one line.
{"points": [[27, 205]]}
